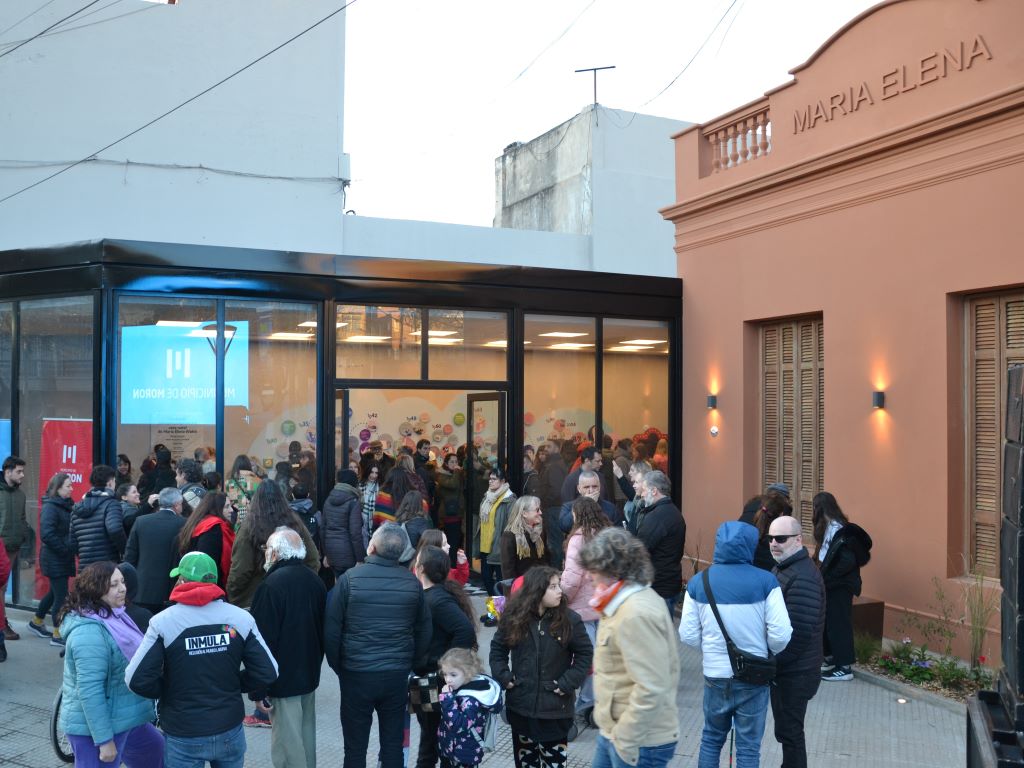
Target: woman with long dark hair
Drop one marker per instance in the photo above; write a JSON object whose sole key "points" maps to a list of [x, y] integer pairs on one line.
{"points": [[124, 469], [773, 506], [400, 480], [105, 722], [588, 520], [451, 493], [551, 656], [56, 556], [269, 510], [842, 548], [208, 529], [413, 514], [451, 615]]}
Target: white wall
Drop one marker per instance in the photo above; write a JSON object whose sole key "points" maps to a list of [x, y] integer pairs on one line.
{"points": [[604, 173], [69, 93]]}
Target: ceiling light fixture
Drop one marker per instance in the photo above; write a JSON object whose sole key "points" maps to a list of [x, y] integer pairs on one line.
{"points": [[628, 348], [503, 343], [444, 342], [563, 335], [292, 336], [366, 339], [645, 341], [435, 333], [569, 345]]}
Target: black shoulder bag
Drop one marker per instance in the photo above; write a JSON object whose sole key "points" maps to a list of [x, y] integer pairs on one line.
{"points": [[746, 667]]}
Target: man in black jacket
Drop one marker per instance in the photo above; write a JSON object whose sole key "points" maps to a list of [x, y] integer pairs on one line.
{"points": [[799, 666], [663, 532], [197, 658], [97, 521], [289, 610], [377, 629], [153, 550]]}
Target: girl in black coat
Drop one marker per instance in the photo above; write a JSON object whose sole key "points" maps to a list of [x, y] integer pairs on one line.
{"points": [[842, 549], [56, 556], [551, 656], [451, 616]]}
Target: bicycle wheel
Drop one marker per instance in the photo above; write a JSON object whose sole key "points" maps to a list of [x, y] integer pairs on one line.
{"points": [[59, 740]]}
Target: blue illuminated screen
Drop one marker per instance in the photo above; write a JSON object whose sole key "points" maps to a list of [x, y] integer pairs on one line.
{"points": [[168, 373]]}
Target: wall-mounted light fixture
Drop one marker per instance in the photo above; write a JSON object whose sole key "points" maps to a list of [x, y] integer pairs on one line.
{"points": [[712, 402], [878, 399]]}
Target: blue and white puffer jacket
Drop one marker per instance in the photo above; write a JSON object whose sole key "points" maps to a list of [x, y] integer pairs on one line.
{"points": [[749, 600]]}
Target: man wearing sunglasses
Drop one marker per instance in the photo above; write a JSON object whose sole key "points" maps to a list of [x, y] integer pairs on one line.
{"points": [[799, 665]]}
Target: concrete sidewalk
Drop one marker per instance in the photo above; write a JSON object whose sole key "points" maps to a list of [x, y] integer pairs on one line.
{"points": [[848, 724]]}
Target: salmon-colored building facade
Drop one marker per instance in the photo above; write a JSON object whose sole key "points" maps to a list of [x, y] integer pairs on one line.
{"points": [[856, 231]]}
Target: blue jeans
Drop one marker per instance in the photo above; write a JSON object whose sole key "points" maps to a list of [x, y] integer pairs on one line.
{"points": [[605, 755], [730, 704], [670, 603], [222, 750]]}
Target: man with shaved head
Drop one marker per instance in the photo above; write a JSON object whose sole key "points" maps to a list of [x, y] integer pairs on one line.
{"points": [[799, 665]]}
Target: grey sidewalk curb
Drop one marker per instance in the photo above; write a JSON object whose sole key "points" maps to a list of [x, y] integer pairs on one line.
{"points": [[911, 692]]}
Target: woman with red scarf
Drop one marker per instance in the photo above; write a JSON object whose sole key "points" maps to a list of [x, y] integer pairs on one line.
{"points": [[636, 663], [208, 529]]}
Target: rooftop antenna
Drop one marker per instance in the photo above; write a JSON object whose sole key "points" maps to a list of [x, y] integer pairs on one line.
{"points": [[595, 70]]}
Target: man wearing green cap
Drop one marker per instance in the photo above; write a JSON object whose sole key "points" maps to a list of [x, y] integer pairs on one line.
{"points": [[198, 657]]}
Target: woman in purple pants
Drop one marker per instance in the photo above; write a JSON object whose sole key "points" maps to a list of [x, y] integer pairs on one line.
{"points": [[106, 723]]}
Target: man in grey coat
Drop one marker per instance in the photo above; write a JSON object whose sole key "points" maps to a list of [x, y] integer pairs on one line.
{"points": [[799, 665]]}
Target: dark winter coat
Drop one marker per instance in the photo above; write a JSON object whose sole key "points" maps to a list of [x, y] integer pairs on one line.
{"points": [[154, 482], [540, 664], [289, 611], [414, 528], [153, 550], [13, 525], [804, 593], [552, 475], [56, 557], [569, 491], [849, 550], [377, 619], [663, 532], [343, 528], [450, 627], [512, 565], [451, 495], [97, 527], [426, 474]]}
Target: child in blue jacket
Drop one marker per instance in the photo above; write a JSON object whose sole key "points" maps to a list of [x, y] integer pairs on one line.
{"points": [[468, 697]]}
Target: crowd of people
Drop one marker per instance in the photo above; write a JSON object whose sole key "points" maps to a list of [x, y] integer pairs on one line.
{"points": [[205, 593]]}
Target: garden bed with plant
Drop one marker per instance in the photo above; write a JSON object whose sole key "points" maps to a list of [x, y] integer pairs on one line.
{"points": [[931, 664]]}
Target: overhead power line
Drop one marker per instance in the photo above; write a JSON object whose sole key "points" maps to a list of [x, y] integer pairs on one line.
{"points": [[694, 57], [171, 111], [55, 24]]}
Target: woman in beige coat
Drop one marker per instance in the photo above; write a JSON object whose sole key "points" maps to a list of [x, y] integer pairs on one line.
{"points": [[636, 658]]}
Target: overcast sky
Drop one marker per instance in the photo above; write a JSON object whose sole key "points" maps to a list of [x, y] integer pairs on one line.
{"points": [[435, 91]]}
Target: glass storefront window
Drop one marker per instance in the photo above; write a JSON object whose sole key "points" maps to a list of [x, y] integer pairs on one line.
{"points": [[270, 413], [468, 345], [55, 412], [378, 342], [635, 384], [559, 374], [167, 348]]}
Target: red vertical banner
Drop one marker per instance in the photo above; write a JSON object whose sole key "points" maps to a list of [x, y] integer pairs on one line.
{"points": [[66, 447]]}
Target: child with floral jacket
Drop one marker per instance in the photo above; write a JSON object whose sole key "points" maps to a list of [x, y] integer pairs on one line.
{"points": [[467, 699]]}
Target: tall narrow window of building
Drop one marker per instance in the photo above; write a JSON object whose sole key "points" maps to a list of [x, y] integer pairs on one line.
{"points": [[793, 410], [995, 340]]}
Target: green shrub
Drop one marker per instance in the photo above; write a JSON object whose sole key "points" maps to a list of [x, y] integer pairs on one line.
{"points": [[866, 647]]}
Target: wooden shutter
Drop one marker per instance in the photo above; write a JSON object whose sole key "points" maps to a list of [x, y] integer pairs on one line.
{"points": [[793, 410], [995, 340]]}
